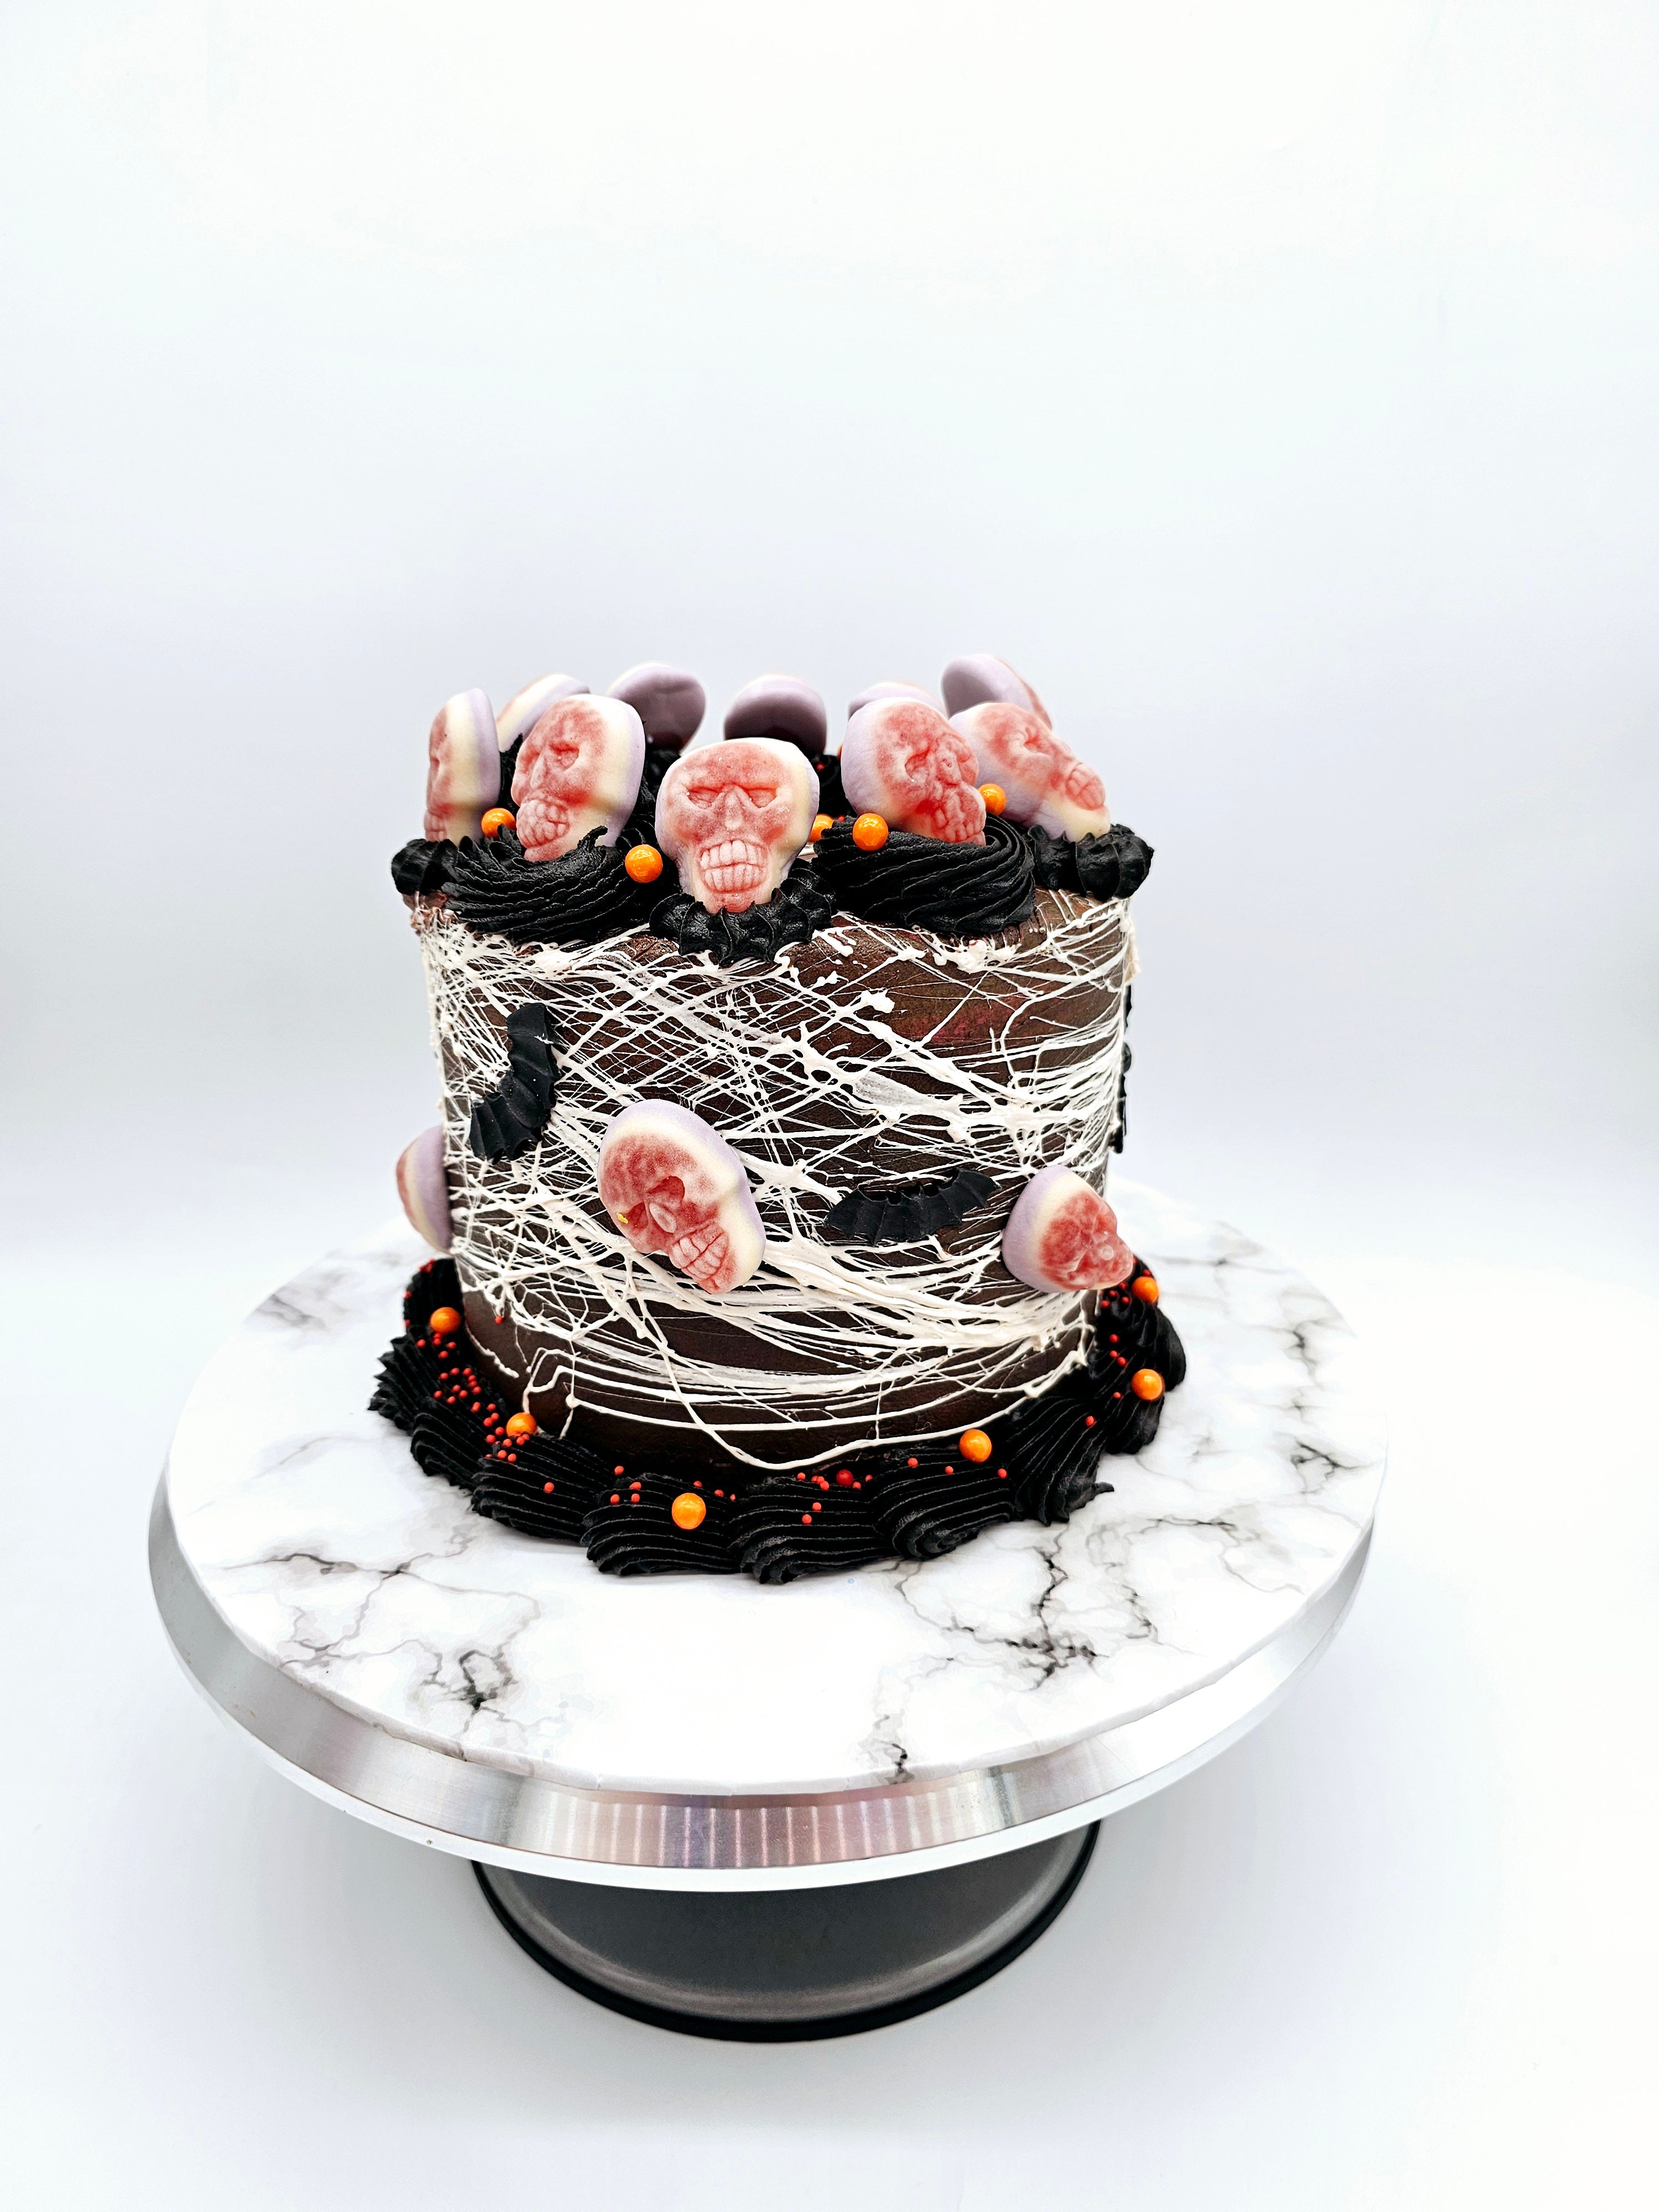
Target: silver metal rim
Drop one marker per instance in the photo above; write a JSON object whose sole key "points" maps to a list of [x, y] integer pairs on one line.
{"points": [[644, 1840]]}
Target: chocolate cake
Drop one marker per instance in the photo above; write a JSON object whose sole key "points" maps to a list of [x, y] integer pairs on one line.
{"points": [[778, 1093]]}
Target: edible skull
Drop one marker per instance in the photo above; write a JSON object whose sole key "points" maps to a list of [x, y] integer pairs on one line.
{"points": [[977, 676], [673, 1185], [579, 771], [902, 759], [1044, 781], [1062, 1236], [463, 767], [732, 816]]}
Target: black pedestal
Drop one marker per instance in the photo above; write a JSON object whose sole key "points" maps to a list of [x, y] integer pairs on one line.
{"points": [[786, 1965]]}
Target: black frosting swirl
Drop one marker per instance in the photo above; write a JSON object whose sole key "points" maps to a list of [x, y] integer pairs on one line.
{"points": [[541, 1485], [424, 866], [799, 907], [929, 1499], [788, 1526], [923, 882], [1112, 865], [578, 899], [914, 1502], [631, 1529]]}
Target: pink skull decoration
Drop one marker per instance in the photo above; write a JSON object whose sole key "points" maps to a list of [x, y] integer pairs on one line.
{"points": [[1062, 1236], [733, 817], [464, 768], [673, 1185], [977, 676], [423, 1188], [1045, 781], [578, 771], [902, 759]]}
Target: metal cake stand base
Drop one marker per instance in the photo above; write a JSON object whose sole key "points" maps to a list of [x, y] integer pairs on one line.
{"points": [[788, 1965], [752, 1813]]}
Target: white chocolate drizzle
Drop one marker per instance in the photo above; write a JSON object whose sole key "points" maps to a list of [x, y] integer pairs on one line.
{"points": [[801, 1065]]}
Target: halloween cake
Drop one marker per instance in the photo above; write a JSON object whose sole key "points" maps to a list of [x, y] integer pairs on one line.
{"points": [[767, 1202]]}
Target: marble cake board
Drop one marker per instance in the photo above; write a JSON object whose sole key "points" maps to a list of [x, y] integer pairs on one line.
{"points": [[495, 1696]]}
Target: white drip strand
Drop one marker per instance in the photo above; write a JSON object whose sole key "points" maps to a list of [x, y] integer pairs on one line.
{"points": [[804, 1066]]}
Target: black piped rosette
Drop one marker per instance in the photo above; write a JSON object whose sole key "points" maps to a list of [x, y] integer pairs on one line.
{"points": [[423, 867], [924, 883], [799, 907], [909, 1502], [582, 897], [1112, 865]]}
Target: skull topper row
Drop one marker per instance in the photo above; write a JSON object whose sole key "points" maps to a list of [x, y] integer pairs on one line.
{"points": [[733, 817], [675, 1188]]}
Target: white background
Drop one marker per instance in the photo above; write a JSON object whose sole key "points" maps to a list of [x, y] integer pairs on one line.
{"points": [[1276, 386]]}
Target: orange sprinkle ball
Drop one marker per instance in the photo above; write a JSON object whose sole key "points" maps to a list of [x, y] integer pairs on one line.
{"points": [[644, 864], [870, 833], [994, 796], [443, 1320], [820, 823], [1146, 1383], [497, 819], [1145, 1288], [522, 1425], [689, 1510], [975, 1444]]}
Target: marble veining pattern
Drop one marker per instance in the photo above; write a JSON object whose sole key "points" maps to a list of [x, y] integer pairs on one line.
{"points": [[330, 1554]]}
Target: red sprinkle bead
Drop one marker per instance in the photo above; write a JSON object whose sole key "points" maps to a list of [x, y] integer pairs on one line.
{"points": [[1088, 1420]]}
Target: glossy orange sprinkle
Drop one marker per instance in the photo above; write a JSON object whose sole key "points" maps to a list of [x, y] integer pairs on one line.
{"points": [[820, 823], [870, 833], [644, 864], [994, 796], [497, 819], [443, 1320], [522, 1425], [975, 1444], [1146, 1383], [689, 1510], [1145, 1287]]}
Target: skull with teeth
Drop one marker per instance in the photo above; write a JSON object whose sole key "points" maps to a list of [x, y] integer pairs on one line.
{"points": [[673, 1185], [578, 771], [1045, 781], [732, 818], [902, 759]]}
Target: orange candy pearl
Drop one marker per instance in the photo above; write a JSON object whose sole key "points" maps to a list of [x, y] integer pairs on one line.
{"points": [[443, 1320], [1145, 1288], [644, 864], [820, 823], [497, 819], [994, 796], [974, 1444], [689, 1510], [1146, 1383], [522, 1425], [870, 833]]}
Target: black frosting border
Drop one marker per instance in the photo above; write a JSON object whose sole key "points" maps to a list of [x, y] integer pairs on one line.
{"points": [[909, 1502]]}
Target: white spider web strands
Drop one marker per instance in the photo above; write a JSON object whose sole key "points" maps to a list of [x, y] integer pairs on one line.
{"points": [[804, 1066]]}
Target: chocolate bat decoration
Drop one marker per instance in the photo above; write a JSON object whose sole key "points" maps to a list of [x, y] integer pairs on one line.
{"points": [[516, 1111], [906, 1217]]}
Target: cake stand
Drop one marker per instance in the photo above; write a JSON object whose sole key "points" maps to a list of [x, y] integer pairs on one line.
{"points": [[764, 1813]]}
